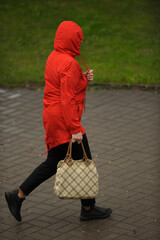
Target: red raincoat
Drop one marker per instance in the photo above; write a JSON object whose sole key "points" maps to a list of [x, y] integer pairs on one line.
{"points": [[65, 87]]}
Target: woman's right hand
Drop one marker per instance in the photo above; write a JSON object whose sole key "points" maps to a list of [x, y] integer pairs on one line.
{"points": [[77, 137], [89, 75]]}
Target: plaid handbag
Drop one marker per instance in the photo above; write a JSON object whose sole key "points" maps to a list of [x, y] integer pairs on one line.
{"points": [[76, 179]]}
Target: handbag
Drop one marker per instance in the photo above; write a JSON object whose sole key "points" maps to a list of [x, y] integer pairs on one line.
{"points": [[76, 179]]}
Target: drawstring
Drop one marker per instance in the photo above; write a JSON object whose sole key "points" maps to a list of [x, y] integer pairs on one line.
{"points": [[48, 148], [81, 59], [84, 105], [40, 155]]}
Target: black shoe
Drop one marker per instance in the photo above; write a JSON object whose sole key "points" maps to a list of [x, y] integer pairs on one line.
{"points": [[95, 213], [14, 203]]}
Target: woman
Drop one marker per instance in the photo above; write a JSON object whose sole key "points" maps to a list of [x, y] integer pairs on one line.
{"points": [[64, 98]]}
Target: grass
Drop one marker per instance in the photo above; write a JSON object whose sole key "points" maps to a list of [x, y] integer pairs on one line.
{"points": [[121, 43]]}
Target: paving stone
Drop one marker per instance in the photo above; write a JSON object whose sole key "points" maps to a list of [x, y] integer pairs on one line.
{"points": [[124, 141]]}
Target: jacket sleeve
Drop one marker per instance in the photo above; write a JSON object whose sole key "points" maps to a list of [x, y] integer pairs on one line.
{"points": [[69, 80]]}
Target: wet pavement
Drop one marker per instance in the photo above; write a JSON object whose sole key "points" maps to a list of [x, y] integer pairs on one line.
{"points": [[123, 128]]}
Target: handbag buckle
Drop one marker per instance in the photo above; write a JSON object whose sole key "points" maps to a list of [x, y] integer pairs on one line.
{"points": [[68, 161], [86, 161]]}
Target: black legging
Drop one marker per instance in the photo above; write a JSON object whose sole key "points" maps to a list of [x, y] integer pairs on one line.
{"points": [[48, 168]]}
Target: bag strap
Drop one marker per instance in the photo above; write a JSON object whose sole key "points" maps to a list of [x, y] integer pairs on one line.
{"points": [[69, 151], [84, 152]]}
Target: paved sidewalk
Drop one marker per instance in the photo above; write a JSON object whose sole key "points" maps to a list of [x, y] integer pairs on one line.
{"points": [[123, 128]]}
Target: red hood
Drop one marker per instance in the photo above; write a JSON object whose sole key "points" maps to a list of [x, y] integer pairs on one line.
{"points": [[68, 38]]}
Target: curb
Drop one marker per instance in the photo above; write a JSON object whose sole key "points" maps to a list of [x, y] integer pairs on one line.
{"points": [[95, 85], [125, 86]]}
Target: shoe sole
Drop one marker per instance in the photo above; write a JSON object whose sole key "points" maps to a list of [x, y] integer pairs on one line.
{"points": [[10, 208], [96, 217]]}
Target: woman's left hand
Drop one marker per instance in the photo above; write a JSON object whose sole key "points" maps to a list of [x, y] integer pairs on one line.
{"points": [[89, 75]]}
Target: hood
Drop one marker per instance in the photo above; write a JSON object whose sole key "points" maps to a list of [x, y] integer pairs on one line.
{"points": [[68, 38]]}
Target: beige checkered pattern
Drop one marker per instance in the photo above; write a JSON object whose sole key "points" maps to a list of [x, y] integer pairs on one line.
{"points": [[77, 181]]}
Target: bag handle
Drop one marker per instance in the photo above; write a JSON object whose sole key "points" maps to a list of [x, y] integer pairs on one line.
{"points": [[68, 157]]}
